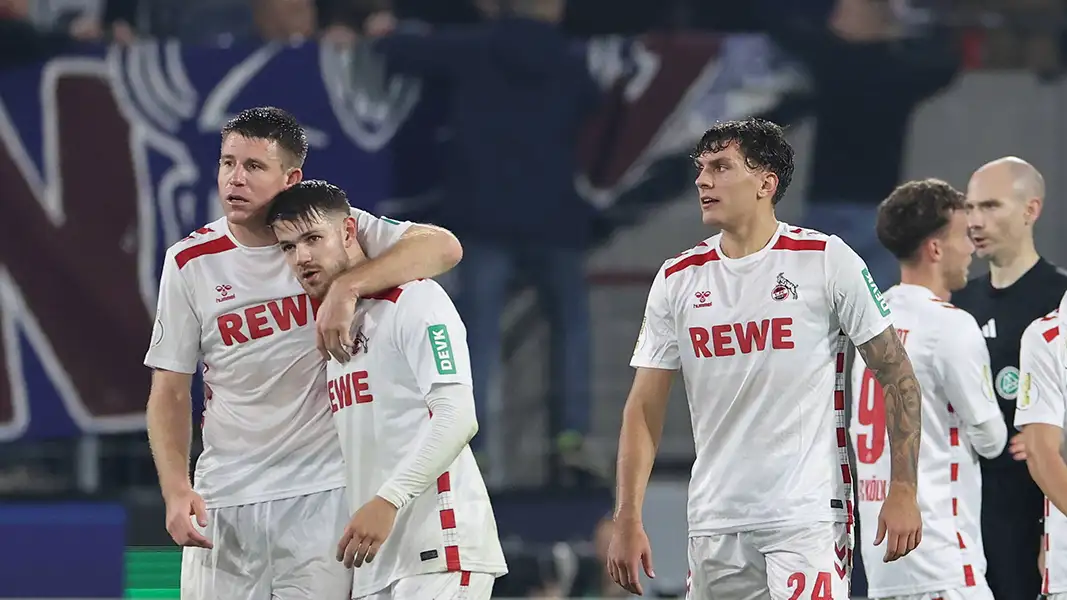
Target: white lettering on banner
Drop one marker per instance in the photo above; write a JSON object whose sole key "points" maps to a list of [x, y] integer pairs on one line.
{"points": [[219, 102], [39, 174], [609, 62], [370, 105]]}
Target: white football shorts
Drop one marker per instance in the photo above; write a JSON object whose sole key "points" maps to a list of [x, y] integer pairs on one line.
{"points": [[461, 585], [807, 561], [282, 549]]}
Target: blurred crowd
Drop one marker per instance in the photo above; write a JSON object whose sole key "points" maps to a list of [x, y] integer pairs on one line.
{"points": [[870, 63], [993, 33]]}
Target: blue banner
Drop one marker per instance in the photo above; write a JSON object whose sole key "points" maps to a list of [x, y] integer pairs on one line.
{"points": [[107, 158]]}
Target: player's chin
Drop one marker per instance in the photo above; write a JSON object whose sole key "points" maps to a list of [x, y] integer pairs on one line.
{"points": [[960, 281], [243, 214], [316, 291], [711, 217]]}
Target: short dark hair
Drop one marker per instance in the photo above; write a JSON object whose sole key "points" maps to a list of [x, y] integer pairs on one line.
{"points": [[915, 211], [761, 143], [274, 124], [306, 201]]}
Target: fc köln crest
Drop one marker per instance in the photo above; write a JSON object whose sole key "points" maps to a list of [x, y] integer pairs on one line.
{"points": [[784, 289], [359, 342]]}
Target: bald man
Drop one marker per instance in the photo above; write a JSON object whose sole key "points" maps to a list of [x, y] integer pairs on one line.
{"points": [[1004, 200]]}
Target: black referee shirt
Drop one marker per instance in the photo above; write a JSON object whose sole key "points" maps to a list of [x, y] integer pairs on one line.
{"points": [[1012, 504], [1003, 314]]}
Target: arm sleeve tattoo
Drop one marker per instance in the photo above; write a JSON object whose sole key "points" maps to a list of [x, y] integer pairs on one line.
{"points": [[886, 358]]}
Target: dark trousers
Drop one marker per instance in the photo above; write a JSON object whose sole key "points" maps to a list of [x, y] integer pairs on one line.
{"points": [[558, 275], [1012, 508]]}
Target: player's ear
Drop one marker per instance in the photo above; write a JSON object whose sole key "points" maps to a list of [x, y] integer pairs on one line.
{"points": [[770, 185], [1032, 210], [294, 176], [349, 228], [934, 250]]}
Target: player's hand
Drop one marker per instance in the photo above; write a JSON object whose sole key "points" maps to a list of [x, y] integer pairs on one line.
{"points": [[333, 323], [180, 507], [1017, 447], [628, 553], [899, 523], [366, 532]]}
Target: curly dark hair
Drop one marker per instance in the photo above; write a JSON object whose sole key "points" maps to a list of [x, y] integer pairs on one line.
{"points": [[274, 124], [307, 200], [761, 143], [915, 211]]}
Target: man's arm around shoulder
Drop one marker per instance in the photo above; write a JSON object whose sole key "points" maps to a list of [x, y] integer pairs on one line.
{"points": [[422, 252]]}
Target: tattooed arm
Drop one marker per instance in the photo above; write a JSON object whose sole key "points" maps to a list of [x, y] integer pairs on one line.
{"points": [[886, 358], [866, 318], [899, 522]]}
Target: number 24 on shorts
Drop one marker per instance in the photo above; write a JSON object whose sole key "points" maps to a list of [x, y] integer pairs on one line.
{"points": [[797, 583]]}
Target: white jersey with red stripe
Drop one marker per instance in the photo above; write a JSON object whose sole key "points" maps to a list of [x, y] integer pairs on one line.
{"points": [[266, 428], [951, 362], [1043, 399], [406, 341], [758, 340]]}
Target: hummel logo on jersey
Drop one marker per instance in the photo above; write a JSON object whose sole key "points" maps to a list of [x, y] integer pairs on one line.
{"points": [[702, 299], [989, 330], [783, 288], [224, 293]]}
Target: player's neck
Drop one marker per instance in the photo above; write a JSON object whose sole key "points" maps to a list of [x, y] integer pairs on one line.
{"points": [[253, 237], [925, 276], [1007, 268], [748, 237], [356, 257]]}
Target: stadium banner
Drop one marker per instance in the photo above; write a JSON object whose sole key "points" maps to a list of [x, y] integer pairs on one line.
{"points": [[29, 567], [107, 158]]}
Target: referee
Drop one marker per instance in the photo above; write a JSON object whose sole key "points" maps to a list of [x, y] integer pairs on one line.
{"points": [[1004, 199]]}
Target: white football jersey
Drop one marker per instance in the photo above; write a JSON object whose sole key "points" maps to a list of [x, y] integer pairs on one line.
{"points": [[1043, 399], [758, 340], [266, 428], [408, 340], [951, 362]]}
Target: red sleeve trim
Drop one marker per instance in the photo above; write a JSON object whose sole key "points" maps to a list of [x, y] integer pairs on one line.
{"points": [[215, 246], [391, 295], [694, 260]]}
